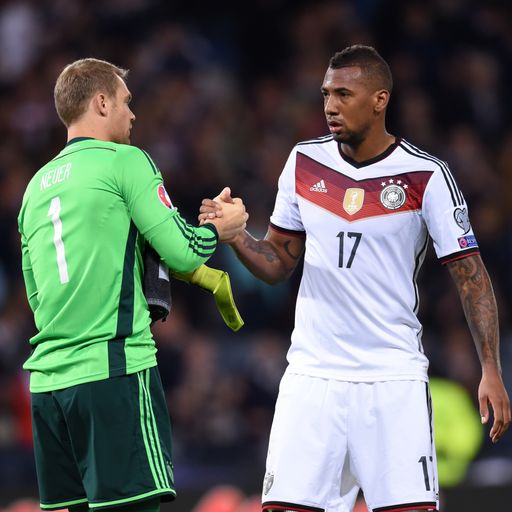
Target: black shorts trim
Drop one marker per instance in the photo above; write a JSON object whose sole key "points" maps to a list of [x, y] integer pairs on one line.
{"points": [[423, 505], [282, 505]]}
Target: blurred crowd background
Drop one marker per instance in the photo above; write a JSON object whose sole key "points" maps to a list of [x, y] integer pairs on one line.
{"points": [[221, 96]]}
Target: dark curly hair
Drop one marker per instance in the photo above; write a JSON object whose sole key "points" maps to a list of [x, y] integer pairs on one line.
{"points": [[374, 68]]}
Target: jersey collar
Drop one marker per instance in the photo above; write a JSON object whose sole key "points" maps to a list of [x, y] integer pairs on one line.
{"points": [[78, 139], [370, 161]]}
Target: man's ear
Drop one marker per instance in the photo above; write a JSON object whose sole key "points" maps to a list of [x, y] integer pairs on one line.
{"points": [[100, 104], [381, 100]]}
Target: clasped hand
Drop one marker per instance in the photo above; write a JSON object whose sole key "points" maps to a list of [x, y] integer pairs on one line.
{"points": [[226, 213]]}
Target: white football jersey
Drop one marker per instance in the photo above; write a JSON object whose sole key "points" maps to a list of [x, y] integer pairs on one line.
{"points": [[367, 226]]}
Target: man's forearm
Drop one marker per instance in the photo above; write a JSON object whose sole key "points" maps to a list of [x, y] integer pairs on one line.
{"points": [[479, 304], [183, 247], [262, 258]]}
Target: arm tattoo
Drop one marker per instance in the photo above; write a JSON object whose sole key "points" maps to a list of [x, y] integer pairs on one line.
{"points": [[287, 249], [479, 304], [261, 247]]}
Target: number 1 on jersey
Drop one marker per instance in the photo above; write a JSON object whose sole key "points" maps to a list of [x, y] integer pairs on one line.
{"points": [[54, 214]]}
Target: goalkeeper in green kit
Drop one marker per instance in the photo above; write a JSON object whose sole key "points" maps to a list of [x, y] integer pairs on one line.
{"points": [[101, 428]]}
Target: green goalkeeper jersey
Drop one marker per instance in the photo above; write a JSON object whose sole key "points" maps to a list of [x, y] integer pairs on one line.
{"points": [[84, 220]]}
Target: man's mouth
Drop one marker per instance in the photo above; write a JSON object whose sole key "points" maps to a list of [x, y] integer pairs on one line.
{"points": [[334, 126]]}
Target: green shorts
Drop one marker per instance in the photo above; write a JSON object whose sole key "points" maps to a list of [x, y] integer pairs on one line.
{"points": [[105, 443]]}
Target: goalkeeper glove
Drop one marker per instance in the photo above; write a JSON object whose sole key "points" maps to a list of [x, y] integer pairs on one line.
{"points": [[217, 282]]}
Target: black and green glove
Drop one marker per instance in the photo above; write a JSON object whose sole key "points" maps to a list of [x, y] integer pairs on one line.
{"points": [[217, 282]]}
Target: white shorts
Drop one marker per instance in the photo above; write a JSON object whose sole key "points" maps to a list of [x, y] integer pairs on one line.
{"points": [[331, 438]]}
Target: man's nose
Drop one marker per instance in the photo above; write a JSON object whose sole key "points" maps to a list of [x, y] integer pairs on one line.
{"points": [[330, 106]]}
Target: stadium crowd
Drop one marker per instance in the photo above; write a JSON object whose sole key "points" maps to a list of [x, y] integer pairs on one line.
{"points": [[221, 97]]}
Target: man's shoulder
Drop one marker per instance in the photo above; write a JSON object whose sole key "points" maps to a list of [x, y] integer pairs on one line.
{"points": [[136, 154], [36, 178], [123, 148], [115, 149], [325, 139], [322, 149], [421, 157]]}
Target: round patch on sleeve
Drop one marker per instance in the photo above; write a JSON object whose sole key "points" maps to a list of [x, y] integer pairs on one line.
{"points": [[164, 196]]}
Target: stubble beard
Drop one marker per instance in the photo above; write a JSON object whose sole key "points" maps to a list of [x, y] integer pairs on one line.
{"points": [[351, 138]]}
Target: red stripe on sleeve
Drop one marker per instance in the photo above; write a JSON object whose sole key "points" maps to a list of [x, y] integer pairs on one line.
{"points": [[460, 256]]}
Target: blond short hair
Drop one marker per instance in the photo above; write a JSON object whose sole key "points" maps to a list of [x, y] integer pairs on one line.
{"points": [[79, 82]]}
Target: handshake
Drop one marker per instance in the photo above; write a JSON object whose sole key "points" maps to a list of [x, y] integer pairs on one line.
{"points": [[226, 213], [229, 217]]}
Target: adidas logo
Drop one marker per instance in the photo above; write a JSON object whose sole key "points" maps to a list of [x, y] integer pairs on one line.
{"points": [[318, 187]]}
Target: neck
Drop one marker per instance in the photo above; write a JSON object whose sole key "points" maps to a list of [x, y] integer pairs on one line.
{"points": [[86, 130], [371, 146]]}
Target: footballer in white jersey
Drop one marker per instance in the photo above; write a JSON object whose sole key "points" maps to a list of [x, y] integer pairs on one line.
{"points": [[367, 227]]}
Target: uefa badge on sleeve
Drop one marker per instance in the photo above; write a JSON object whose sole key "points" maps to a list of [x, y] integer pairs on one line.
{"points": [[468, 241], [462, 219], [394, 194], [164, 196]]}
